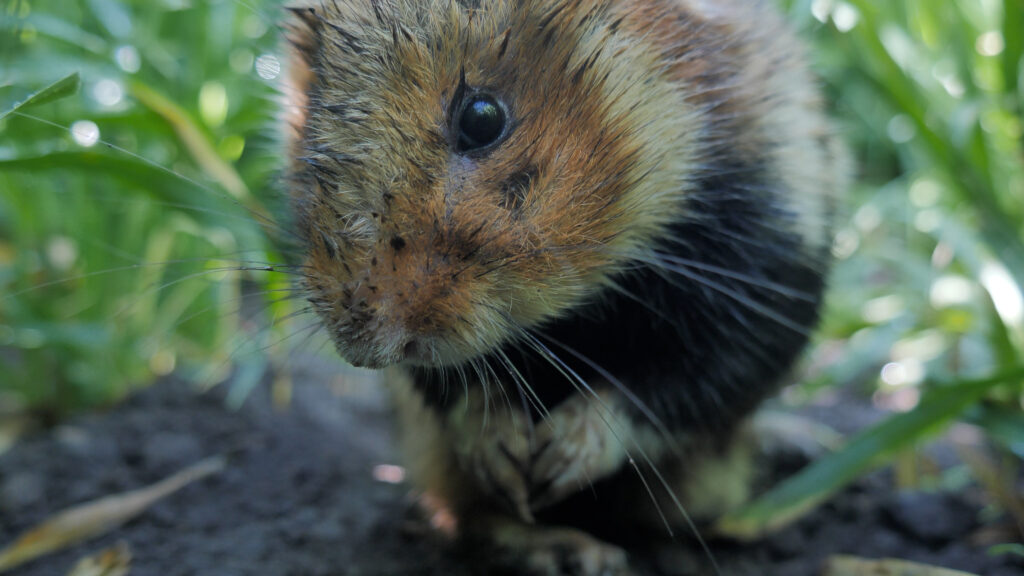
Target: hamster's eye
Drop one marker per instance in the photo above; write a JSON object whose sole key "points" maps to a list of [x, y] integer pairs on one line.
{"points": [[481, 122]]}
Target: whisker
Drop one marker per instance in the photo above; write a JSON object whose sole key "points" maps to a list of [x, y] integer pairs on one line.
{"points": [[155, 289], [475, 365], [271, 22], [120, 200], [532, 397], [512, 412], [296, 294], [497, 382], [465, 381], [310, 331], [623, 389], [236, 351], [662, 259], [740, 298], [258, 267]]}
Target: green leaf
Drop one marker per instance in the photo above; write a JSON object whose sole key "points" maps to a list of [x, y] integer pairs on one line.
{"points": [[869, 449], [1004, 549], [1013, 17], [62, 88], [144, 177]]}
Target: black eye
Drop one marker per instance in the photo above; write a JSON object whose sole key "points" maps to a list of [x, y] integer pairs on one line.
{"points": [[481, 123]]}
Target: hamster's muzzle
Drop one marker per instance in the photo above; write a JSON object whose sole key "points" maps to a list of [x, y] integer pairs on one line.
{"points": [[418, 289]]}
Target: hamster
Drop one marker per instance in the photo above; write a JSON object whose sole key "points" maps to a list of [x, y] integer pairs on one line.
{"points": [[586, 238]]}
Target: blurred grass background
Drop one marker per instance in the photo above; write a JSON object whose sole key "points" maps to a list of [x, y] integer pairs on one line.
{"points": [[127, 209], [119, 206]]}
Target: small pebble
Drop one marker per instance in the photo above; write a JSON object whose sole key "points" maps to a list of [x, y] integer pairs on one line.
{"points": [[787, 543], [20, 491], [930, 517], [169, 452]]}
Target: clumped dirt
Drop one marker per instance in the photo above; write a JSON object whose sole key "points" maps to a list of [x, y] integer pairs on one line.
{"points": [[299, 498]]}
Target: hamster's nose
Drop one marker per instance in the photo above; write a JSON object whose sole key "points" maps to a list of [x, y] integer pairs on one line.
{"points": [[417, 352], [411, 349]]}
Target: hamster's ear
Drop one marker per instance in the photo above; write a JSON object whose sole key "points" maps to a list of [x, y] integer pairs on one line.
{"points": [[302, 32]]}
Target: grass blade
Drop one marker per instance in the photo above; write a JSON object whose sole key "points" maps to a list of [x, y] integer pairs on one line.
{"points": [[62, 88], [867, 450], [1013, 38]]}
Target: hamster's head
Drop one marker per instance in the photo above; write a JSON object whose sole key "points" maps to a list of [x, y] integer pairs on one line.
{"points": [[465, 171]]}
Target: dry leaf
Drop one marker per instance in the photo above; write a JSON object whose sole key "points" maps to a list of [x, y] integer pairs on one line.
{"points": [[114, 561], [851, 566], [99, 517]]}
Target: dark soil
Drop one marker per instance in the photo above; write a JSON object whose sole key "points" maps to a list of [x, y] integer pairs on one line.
{"points": [[299, 498]]}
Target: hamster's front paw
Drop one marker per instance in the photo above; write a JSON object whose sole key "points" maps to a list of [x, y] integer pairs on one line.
{"points": [[528, 466], [494, 447], [582, 441]]}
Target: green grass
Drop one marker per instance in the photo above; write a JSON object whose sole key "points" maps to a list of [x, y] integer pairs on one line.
{"points": [[116, 259], [109, 251]]}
